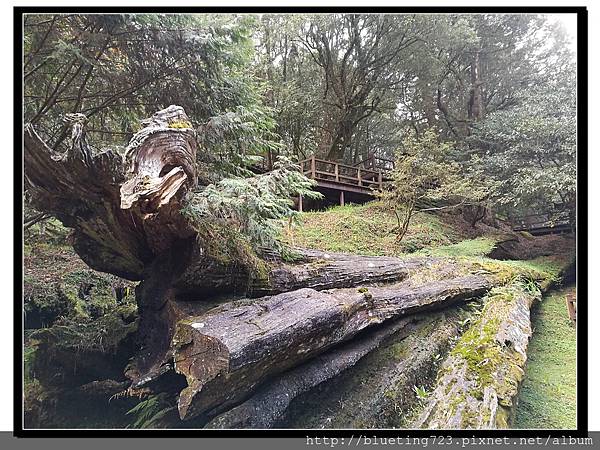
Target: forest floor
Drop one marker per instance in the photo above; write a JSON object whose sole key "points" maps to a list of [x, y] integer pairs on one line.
{"points": [[548, 396], [368, 230]]}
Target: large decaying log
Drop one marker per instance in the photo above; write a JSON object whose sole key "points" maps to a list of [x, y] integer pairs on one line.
{"points": [[267, 407], [182, 278], [379, 391], [312, 269], [121, 218], [225, 353], [335, 270], [479, 381]]}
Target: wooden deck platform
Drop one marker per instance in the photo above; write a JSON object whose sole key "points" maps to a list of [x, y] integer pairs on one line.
{"points": [[342, 178], [339, 176], [541, 224]]}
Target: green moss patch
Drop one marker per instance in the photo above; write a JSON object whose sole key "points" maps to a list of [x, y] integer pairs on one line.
{"points": [[57, 284], [480, 246]]}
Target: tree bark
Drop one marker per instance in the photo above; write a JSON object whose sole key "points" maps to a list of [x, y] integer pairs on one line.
{"points": [[379, 391], [267, 407], [476, 108], [226, 353], [322, 270], [182, 283]]}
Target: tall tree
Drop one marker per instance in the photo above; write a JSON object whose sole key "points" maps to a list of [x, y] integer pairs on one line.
{"points": [[358, 55]]}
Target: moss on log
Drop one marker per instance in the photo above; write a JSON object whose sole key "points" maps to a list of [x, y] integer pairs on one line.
{"points": [[479, 381], [379, 391], [322, 270]]}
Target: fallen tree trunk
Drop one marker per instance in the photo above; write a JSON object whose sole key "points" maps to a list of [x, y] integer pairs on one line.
{"points": [[226, 353], [335, 270], [176, 286], [478, 382], [267, 407], [379, 391]]}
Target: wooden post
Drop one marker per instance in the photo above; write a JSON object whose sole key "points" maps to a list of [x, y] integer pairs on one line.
{"points": [[300, 203], [342, 198], [359, 178], [336, 171], [571, 307], [380, 180], [313, 167]]}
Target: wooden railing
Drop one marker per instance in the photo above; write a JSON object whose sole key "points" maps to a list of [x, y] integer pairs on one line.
{"points": [[540, 220], [320, 169], [542, 223], [376, 163]]}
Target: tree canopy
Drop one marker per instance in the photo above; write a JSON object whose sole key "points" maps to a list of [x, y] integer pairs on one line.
{"points": [[339, 86]]}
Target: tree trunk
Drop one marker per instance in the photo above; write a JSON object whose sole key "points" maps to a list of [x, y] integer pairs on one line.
{"points": [[379, 391], [267, 407], [226, 353], [321, 270], [479, 381], [127, 220], [475, 111]]}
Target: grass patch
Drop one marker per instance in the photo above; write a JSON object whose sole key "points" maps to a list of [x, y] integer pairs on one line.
{"points": [[367, 230], [545, 265], [548, 396], [480, 246]]}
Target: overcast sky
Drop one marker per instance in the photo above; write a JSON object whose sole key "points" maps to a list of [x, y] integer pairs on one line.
{"points": [[569, 22]]}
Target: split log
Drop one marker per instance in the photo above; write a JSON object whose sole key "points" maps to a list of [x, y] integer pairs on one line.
{"points": [[226, 353], [181, 284], [313, 269], [479, 381]]}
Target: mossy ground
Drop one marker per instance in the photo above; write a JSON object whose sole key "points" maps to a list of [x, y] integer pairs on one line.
{"points": [[57, 284], [479, 246], [75, 318], [548, 395]]}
